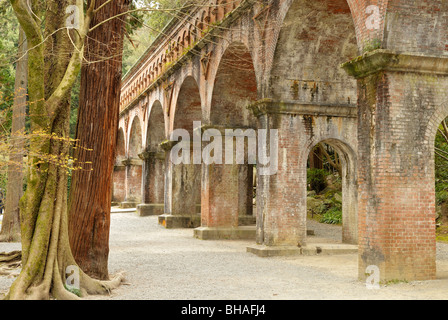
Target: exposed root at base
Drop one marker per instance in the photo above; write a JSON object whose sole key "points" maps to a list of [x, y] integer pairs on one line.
{"points": [[10, 263]]}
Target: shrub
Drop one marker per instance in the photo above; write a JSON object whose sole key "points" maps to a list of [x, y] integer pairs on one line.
{"points": [[316, 179], [332, 216]]}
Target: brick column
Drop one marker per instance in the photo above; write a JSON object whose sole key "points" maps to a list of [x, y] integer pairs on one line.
{"points": [[226, 196], [281, 197], [399, 96], [152, 183], [119, 184], [133, 183], [182, 193]]}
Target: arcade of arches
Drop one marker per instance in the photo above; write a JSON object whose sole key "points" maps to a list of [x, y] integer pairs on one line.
{"points": [[368, 78]]}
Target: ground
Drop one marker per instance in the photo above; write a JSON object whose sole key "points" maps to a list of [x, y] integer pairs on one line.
{"points": [[163, 264]]}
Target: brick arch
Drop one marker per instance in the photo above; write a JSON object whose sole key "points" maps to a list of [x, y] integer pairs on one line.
{"points": [[187, 104], [184, 180], [185, 40], [316, 37], [121, 144], [192, 33], [135, 137], [348, 157], [439, 114], [155, 126], [234, 88]]}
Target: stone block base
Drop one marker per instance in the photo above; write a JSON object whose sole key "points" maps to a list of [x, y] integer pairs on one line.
{"points": [[308, 250], [240, 233], [144, 210], [247, 220], [275, 251], [174, 222], [128, 205]]}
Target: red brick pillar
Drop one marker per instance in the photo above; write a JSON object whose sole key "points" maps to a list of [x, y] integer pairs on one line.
{"points": [[119, 184], [133, 183], [182, 192], [153, 183], [226, 196], [219, 197], [281, 196], [398, 96]]}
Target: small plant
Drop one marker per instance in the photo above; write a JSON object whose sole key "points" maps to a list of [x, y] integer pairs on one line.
{"points": [[396, 281], [332, 216], [75, 291], [316, 179], [372, 45]]}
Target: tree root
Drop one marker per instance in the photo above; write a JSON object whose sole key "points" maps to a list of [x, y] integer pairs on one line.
{"points": [[10, 262]]}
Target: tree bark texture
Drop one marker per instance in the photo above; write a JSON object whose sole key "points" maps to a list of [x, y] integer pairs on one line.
{"points": [[11, 219], [97, 128]]}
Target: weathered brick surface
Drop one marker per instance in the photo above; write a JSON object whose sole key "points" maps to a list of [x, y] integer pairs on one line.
{"points": [[119, 184], [396, 173], [134, 183], [281, 198], [292, 51]]}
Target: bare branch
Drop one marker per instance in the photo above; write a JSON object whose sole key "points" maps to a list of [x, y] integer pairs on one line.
{"points": [[146, 9]]}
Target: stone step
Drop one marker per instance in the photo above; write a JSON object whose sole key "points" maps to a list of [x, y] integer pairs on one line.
{"points": [[308, 250]]}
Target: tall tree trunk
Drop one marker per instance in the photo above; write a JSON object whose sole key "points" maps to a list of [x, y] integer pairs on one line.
{"points": [[11, 220], [98, 113], [315, 159]]}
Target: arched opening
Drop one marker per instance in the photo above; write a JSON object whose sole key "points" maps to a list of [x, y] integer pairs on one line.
{"points": [[227, 187], [235, 88], [188, 106], [134, 164], [121, 146], [154, 164], [135, 139], [316, 37], [441, 180], [185, 178], [332, 192], [156, 127]]}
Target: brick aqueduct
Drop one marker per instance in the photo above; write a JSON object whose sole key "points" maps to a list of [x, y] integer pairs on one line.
{"points": [[368, 77]]}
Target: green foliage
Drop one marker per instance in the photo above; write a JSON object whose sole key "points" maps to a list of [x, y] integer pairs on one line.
{"points": [[332, 216], [316, 179], [9, 29], [441, 168], [144, 27], [441, 172], [3, 182], [372, 45], [330, 210], [75, 291]]}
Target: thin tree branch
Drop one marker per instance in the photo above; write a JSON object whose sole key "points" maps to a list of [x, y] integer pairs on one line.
{"points": [[442, 156], [146, 9]]}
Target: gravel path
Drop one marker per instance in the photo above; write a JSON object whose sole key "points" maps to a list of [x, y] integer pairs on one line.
{"points": [[163, 264]]}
